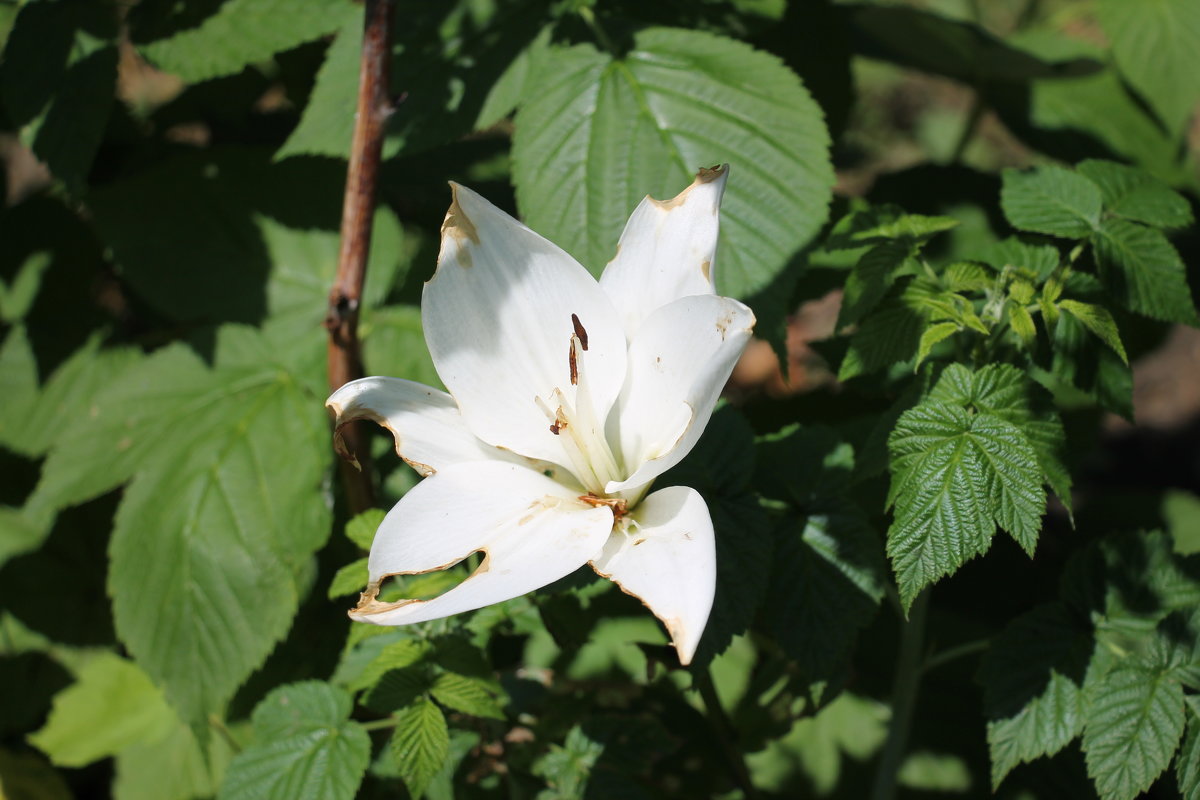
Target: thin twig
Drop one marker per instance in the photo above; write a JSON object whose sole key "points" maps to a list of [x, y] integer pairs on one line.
{"points": [[358, 212], [904, 698]]}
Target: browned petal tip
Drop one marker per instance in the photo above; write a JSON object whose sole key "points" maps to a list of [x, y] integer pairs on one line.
{"points": [[710, 174], [457, 224]]}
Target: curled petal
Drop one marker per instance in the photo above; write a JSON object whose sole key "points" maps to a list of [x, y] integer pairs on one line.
{"points": [[678, 363], [667, 250], [665, 555], [531, 530], [429, 431], [499, 317]]}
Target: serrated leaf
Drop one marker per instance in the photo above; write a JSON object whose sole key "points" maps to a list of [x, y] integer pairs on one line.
{"points": [[361, 529], [111, 706], [826, 583], [398, 688], [1187, 762], [885, 224], [1143, 271], [965, 276], [1031, 676], [243, 32], [1036, 260], [1133, 724], [350, 579], [1157, 47], [870, 279], [466, 694], [306, 747], [1022, 324], [1099, 321], [600, 133], [932, 335], [955, 476], [324, 128], [1051, 200], [210, 537], [890, 335], [1137, 195], [420, 744], [396, 655], [566, 768]]}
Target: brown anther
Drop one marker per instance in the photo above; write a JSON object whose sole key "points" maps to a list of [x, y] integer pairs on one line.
{"points": [[579, 331], [573, 362], [619, 506], [554, 428]]}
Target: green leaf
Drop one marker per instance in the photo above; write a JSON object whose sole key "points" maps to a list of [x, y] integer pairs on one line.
{"points": [[1187, 762], [825, 586], [1031, 676], [566, 768], [350, 579], [395, 656], [361, 529], [394, 345], [1051, 200], [931, 337], [1036, 260], [1099, 321], [955, 476], [870, 279], [890, 335], [1157, 47], [1134, 721], [205, 584], [243, 32], [1143, 270], [885, 224], [305, 747], [1022, 324], [1137, 195], [600, 133], [321, 131], [111, 706], [27, 776], [19, 384], [469, 695], [420, 744], [16, 299], [171, 768]]}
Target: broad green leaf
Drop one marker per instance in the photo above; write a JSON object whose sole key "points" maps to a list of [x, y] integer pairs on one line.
{"points": [[306, 747], [394, 345], [350, 579], [600, 133], [325, 128], [361, 529], [111, 706], [931, 337], [1187, 762], [171, 768], [890, 335], [420, 744], [1157, 47], [21, 532], [469, 695], [825, 586], [441, 785], [243, 32], [1051, 200], [955, 476], [1031, 676], [809, 467], [67, 394], [1037, 260], [964, 276], [1137, 195], [1133, 724], [1099, 321], [205, 584], [1143, 270]]}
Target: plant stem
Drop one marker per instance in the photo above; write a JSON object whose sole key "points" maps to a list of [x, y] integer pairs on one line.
{"points": [[218, 725], [946, 656], [589, 17], [358, 212], [904, 698], [969, 126], [379, 724], [723, 730]]}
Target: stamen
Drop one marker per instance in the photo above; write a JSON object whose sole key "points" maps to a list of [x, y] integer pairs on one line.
{"points": [[573, 361], [579, 331]]}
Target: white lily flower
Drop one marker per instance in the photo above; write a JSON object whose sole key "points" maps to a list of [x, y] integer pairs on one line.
{"points": [[568, 398]]}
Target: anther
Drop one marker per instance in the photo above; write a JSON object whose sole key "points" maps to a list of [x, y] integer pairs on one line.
{"points": [[573, 362], [579, 331]]}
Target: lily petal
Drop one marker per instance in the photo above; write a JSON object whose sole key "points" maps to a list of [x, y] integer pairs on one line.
{"points": [[678, 364], [667, 250], [498, 321], [531, 530], [429, 431], [667, 558]]}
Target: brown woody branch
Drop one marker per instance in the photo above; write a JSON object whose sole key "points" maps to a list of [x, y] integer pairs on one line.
{"points": [[358, 212]]}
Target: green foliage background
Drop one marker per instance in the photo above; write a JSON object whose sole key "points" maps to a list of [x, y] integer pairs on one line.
{"points": [[937, 575]]}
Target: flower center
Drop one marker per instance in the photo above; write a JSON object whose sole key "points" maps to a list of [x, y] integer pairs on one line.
{"points": [[577, 424]]}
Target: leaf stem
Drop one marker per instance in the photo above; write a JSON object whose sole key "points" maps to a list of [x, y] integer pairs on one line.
{"points": [[904, 698], [969, 127], [218, 725], [960, 651], [723, 729], [379, 724], [358, 212], [589, 17]]}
